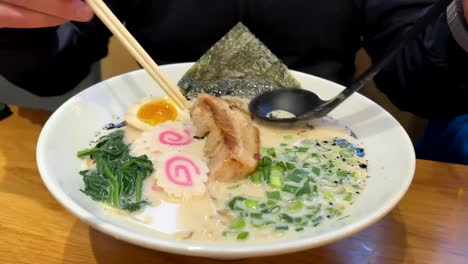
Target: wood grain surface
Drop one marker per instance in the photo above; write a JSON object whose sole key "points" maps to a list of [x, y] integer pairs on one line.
{"points": [[430, 224]]}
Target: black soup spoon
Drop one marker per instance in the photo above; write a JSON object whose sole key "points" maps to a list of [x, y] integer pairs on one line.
{"points": [[296, 105]]}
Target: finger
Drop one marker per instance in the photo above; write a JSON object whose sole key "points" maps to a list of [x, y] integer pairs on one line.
{"points": [[75, 10], [18, 17]]}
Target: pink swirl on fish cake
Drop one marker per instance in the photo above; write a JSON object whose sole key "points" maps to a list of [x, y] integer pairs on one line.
{"points": [[175, 138], [180, 170]]}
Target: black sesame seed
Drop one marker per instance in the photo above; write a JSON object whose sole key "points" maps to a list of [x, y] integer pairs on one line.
{"points": [[343, 159], [330, 203], [325, 142], [363, 166], [334, 144], [335, 181], [317, 144], [357, 192], [328, 216]]}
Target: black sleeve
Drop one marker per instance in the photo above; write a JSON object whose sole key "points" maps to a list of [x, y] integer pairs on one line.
{"points": [[430, 76], [51, 61]]}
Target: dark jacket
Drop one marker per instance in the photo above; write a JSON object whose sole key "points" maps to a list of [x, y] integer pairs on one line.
{"points": [[429, 78]]}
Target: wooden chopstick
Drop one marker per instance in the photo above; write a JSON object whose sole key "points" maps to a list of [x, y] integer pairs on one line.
{"points": [[136, 50]]}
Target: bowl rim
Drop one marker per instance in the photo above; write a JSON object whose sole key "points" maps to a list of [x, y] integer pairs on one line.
{"points": [[220, 251]]}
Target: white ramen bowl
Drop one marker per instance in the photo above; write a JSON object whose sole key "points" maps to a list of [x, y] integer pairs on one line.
{"points": [[71, 128]]}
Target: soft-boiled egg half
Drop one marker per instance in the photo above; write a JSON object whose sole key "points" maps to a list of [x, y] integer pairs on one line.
{"points": [[149, 112]]}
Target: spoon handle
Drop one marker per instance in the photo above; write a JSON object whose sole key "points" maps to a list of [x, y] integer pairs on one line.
{"points": [[432, 14]]}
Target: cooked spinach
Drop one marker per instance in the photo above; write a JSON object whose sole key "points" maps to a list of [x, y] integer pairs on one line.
{"points": [[118, 177]]}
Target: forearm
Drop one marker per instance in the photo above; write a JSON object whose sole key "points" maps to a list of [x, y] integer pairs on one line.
{"points": [[429, 76], [51, 61]]}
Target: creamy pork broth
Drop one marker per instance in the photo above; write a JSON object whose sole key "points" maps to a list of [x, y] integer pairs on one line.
{"points": [[310, 176]]}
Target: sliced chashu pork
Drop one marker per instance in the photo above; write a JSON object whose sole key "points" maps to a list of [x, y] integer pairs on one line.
{"points": [[232, 142]]}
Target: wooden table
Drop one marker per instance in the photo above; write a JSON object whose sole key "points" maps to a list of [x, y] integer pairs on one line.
{"points": [[430, 224]]}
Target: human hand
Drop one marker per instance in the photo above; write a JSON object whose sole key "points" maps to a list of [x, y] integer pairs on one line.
{"points": [[42, 13]]}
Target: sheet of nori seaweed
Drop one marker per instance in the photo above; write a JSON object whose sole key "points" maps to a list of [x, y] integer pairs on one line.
{"points": [[238, 65]]}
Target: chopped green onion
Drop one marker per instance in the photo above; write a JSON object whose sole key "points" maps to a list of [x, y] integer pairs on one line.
{"points": [[313, 160], [276, 181], [271, 203], [290, 166], [281, 227], [283, 145], [308, 142], [275, 209], [314, 209], [310, 216], [348, 196], [329, 183], [243, 214], [304, 190], [314, 189], [288, 137], [273, 195], [286, 218], [298, 220], [340, 190], [346, 154], [228, 233], [296, 205], [238, 223], [260, 223], [300, 173], [242, 235], [317, 220], [328, 196], [306, 165], [299, 229], [276, 177], [334, 212], [297, 175], [271, 152], [294, 178], [251, 204], [256, 215], [256, 177], [233, 203], [282, 165], [302, 149], [290, 188], [341, 173], [316, 171], [266, 168]]}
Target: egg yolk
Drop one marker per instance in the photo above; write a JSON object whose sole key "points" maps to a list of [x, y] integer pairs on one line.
{"points": [[156, 112]]}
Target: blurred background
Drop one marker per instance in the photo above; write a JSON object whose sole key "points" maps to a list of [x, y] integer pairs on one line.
{"points": [[119, 62]]}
